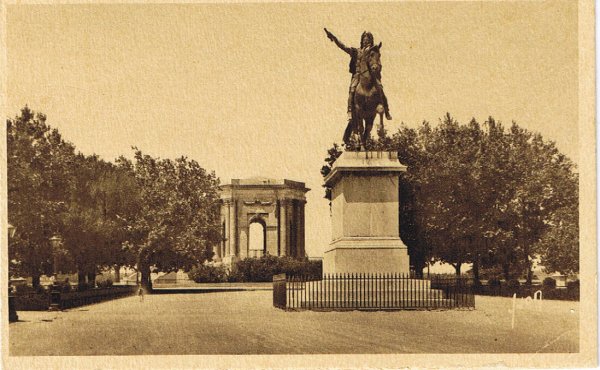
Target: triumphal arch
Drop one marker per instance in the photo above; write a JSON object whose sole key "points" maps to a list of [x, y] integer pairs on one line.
{"points": [[261, 216]]}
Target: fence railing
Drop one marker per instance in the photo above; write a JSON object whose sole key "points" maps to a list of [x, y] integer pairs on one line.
{"points": [[369, 292], [41, 302]]}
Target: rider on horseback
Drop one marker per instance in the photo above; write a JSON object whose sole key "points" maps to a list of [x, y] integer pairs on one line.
{"points": [[366, 42]]}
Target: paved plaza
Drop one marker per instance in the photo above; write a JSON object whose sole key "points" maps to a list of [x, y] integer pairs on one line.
{"points": [[246, 323]]}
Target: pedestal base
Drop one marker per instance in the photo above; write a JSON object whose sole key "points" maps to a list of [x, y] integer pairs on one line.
{"points": [[366, 255]]}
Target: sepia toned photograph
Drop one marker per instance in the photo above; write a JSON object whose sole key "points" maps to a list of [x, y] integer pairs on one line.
{"points": [[317, 185]]}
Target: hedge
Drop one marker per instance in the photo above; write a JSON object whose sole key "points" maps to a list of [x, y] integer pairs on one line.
{"points": [[256, 270]]}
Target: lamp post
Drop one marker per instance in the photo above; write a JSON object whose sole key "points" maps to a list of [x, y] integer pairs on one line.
{"points": [[55, 241], [12, 312]]}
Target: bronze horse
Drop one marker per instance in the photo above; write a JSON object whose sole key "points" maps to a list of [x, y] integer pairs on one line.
{"points": [[368, 101]]}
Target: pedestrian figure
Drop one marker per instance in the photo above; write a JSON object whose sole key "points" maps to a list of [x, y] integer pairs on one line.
{"points": [[141, 293]]}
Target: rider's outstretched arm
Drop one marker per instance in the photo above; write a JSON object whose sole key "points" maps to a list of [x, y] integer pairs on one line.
{"points": [[339, 44]]}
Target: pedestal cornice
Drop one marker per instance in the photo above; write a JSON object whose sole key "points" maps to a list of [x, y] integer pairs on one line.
{"points": [[364, 163]]}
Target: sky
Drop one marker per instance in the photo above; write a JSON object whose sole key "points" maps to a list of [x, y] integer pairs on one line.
{"points": [[258, 89]]}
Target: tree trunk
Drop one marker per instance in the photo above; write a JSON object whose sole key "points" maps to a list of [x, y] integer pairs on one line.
{"points": [[476, 272], [529, 273], [144, 268], [91, 279], [457, 268], [80, 277], [506, 271], [117, 273], [35, 280], [145, 279], [527, 264], [419, 266]]}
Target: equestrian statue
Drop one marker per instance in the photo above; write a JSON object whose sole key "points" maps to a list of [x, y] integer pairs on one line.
{"points": [[366, 98]]}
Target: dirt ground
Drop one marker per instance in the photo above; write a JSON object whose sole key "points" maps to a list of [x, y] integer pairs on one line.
{"points": [[246, 323]]}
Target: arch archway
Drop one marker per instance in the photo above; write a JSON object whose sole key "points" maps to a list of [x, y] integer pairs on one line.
{"points": [[257, 238]]}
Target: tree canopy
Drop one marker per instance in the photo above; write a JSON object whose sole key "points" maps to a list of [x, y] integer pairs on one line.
{"points": [[178, 220], [486, 195], [149, 212]]}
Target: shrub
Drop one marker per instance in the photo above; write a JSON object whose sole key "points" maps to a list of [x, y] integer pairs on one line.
{"points": [[473, 283], [573, 285], [105, 283], [263, 269], [32, 302], [42, 289], [513, 284], [234, 277], [24, 289], [208, 274], [256, 269], [573, 289], [83, 286], [549, 283], [494, 282]]}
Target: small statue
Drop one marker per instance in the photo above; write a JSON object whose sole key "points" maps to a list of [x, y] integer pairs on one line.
{"points": [[366, 43]]}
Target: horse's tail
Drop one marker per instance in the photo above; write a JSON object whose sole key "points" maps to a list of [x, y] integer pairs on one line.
{"points": [[348, 131]]}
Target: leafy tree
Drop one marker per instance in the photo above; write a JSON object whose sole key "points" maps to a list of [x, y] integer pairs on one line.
{"points": [[559, 246], [438, 181], [483, 195], [94, 232], [543, 182], [38, 184], [410, 152], [178, 220], [153, 212]]}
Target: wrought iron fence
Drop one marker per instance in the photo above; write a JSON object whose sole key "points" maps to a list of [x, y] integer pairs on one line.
{"points": [[370, 292], [62, 300]]}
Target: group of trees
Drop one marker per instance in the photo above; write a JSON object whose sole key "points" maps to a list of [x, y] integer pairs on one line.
{"points": [[486, 195], [145, 213], [479, 194]]}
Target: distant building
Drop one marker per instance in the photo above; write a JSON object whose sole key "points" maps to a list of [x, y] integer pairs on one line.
{"points": [[261, 216], [174, 277]]}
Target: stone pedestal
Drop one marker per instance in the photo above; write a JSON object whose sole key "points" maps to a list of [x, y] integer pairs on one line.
{"points": [[365, 215]]}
